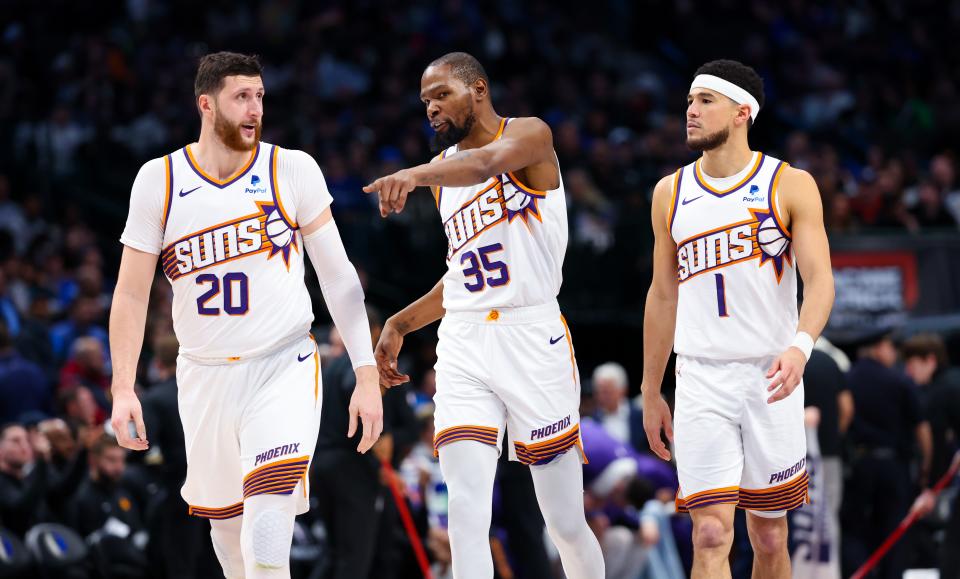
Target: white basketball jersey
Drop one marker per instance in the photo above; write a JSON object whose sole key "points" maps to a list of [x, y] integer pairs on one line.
{"points": [[738, 283], [232, 252], [506, 242]]}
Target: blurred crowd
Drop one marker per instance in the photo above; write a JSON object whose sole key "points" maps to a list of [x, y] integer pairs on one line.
{"points": [[860, 94]]}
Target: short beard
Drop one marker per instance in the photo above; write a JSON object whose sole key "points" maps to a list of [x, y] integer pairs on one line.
{"points": [[229, 134], [709, 142], [453, 134]]}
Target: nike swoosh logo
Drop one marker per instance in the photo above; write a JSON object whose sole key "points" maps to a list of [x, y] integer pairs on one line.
{"points": [[555, 340], [302, 358], [685, 201], [185, 193]]}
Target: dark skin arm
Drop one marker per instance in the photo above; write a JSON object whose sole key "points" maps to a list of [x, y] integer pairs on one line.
{"points": [[424, 311], [525, 149]]}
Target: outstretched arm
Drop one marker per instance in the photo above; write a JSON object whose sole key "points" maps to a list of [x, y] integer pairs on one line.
{"points": [[659, 321], [425, 310], [526, 143], [801, 200]]}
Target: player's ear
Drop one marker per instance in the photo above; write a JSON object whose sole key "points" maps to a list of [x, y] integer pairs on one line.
{"points": [[743, 114], [204, 104], [480, 88]]}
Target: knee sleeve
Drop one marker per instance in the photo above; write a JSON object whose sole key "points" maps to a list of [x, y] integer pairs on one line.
{"points": [[267, 532]]}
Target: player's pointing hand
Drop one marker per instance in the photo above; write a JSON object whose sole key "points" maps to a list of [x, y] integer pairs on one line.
{"points": [[366, 405], [393, 190]]}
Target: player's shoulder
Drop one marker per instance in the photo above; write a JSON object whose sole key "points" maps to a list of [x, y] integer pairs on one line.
{"points": [[292, 158], [795, 177], [534, 125], [157, 164], [664, 187]]}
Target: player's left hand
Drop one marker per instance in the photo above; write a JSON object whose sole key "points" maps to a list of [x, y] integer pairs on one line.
{"points": [[366, 405], [786, 371], [393, 190]]}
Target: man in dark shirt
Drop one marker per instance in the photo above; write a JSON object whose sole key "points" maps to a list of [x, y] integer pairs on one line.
{"points": [[67, 466], [180, 546], [887, 424], [925, 361], [825, 388], [23, 489], [23, 385], [355, 506], [101, 497]]}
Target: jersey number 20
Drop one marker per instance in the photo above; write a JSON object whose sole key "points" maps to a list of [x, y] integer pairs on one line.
{"points": [[234, 304], [478, 265]]}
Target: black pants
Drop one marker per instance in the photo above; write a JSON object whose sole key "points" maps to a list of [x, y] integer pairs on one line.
{"points": [[180, 545], [351, 503], [875, 500], [950, 554]]}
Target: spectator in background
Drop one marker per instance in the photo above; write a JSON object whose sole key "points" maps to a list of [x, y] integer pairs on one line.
{"points": [[354, 504], [86, 368], [926, 363], [101, 497], [23, 489], [79, 408], [68, 461], [930, 211], [84, 320], [825, 388], [180, 546], [619, 416], [887, 424], [23, 385], [9, 316], [627, 491], [34, 339]]}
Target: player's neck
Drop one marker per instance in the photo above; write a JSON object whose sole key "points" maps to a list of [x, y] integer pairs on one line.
{"points": [[483, 132], [215, 158], [726, 160]]}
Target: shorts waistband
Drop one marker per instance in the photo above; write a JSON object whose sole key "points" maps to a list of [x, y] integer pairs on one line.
{"points": [[705, 360], [217, 361], [523, 315]]}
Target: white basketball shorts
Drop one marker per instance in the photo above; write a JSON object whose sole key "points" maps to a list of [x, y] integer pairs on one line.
{"points": [[731, 445], [250, 427], [508, 367]]}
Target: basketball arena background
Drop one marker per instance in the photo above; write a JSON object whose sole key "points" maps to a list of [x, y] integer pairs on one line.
{"points": [[863, 95]]}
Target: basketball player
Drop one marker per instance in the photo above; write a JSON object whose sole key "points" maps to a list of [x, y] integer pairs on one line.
{"points": [[505, 357], [231, 217], [731, 230]]}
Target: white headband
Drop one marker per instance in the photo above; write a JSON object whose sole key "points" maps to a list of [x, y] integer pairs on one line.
{"points": [[727, 89]]}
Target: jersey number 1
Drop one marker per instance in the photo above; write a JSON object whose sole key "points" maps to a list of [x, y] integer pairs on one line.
{"points": [[232, 306], [721, 296]]}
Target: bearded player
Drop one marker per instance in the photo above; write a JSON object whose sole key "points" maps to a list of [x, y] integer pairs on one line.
{"points": [[732, 230], [229, 218], [505, 357]]}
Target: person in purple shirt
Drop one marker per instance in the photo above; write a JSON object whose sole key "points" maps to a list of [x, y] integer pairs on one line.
{"points": [[621, 485], [603, 451]]}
